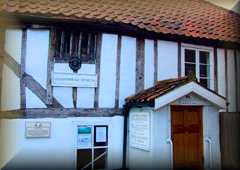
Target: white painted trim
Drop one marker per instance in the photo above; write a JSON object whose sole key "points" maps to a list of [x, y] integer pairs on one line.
{"points": [[197, 49], [186, 89], [201, 47]]}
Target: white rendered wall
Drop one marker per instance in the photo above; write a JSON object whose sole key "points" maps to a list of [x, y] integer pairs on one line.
{"points": [[60, 149], [162, 156], [63, 94], [221, 72], [148, 63], [108, 62], [85, 96], [37, 55], [127, 69], [231, 80], [212, 154], [13, 43], [32, 101], [10, 90], [167, 60]]}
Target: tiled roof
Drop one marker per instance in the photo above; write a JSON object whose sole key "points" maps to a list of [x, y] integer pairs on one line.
{"points": [[191, 18], [161, 88]]}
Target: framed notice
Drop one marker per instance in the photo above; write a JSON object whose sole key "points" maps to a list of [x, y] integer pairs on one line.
{"points": [[139, 130], [84, 137], [101, 135]]}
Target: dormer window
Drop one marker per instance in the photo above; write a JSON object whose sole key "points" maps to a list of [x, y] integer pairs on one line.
{"points": [[199, 61], [69, 43]]}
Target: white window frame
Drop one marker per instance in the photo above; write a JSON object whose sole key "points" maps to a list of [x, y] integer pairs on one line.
{"points": [[197, 49]]}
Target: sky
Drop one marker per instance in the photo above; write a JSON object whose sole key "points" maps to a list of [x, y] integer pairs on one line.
{"points": [[228, 4]]}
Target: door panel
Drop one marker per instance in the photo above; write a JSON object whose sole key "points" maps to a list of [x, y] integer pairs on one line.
{"points": [[187, 137]]}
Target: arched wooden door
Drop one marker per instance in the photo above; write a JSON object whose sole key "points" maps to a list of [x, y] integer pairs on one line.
{"points": [[187, 137]]}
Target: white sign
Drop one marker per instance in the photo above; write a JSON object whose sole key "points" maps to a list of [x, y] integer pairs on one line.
{"points": [[84, 138], [190, 99], [101, 134], [38, 129], [74, 80], [140, 127]]}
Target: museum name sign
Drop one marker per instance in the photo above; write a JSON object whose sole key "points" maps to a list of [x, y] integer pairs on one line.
{"points": [[74, 80]]}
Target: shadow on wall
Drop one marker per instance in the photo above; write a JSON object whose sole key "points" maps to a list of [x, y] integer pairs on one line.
{"points": [[30, 160]]}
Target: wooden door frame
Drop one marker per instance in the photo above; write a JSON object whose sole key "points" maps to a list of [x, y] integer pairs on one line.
{"points": [[182, 107]]}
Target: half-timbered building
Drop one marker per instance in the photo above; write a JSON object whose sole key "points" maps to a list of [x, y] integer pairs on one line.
{"points": [[105, 84]]}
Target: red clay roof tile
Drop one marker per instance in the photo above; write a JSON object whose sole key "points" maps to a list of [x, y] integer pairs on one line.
{"points": [[192, 18]]}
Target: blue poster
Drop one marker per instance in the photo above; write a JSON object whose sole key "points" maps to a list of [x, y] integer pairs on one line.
{"points": [[84, 138]]}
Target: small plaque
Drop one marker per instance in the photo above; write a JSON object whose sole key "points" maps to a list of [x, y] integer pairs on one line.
{"points": [[38, 129]]}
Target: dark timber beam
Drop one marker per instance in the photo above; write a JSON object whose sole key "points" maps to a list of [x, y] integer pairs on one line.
{"points": [[52, 44], [118, 62], [60, 113], [11, 63], [98, 60], [39, 91], [140, 65], [23, 61]]}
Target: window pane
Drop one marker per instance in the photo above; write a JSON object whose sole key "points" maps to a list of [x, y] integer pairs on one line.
{"points": [[204, 82], [204, 57], [84, 157], [190, 69], [190, 56], [204, 71], [100, 157]]}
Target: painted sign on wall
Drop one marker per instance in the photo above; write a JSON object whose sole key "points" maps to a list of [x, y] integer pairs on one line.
{"points": [[74, 80], [37, 129], [139, 129]]}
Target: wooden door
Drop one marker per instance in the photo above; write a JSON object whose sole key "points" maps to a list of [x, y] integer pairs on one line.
{"points": [[187, 137]]}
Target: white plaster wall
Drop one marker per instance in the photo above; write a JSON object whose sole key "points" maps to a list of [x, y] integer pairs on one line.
{"points": [[221, 72], [162, 156], [148, 63], [58, 151], [85, 96], [37, 55], [212, 154], [108, 71], [10, 90], [127, 69], [231, 80], [32, 101], [167, 60], [13, 43], [63, 94]]}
